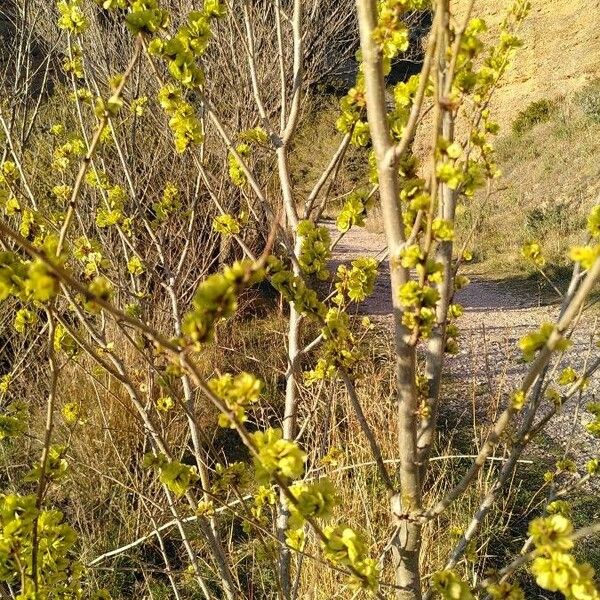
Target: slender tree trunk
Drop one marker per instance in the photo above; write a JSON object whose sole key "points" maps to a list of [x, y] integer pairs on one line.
{"points": [[289, 432], [406, 544]]}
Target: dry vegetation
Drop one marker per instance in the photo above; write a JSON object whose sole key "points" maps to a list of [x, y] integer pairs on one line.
{"points": [[107, 495], [550, 182]]}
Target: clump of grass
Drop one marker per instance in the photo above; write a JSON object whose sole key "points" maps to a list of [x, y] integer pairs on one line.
{"points": [[588, 100], [552, 216], [536, 112]]}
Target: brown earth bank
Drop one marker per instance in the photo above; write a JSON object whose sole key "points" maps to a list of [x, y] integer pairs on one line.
{"points": [[560, 52]]}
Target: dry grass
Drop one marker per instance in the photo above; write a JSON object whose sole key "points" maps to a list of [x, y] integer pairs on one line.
{"points": [[464, 426], [315, 143], [111, 500], [550, 181]]}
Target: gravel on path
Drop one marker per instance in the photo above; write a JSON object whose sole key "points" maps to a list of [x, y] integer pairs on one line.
{"points": [[497, 314]]}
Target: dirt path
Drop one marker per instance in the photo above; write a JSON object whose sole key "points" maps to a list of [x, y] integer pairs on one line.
{"points": [[496, 317]]}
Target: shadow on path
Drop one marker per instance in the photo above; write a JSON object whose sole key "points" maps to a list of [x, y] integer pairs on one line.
{"points": [[480, 296]]}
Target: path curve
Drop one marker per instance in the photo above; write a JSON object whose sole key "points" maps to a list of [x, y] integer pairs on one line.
{"points": [[496, 317]]}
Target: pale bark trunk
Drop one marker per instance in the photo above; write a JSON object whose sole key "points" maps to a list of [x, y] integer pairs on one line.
{"points": [[406, 544]]}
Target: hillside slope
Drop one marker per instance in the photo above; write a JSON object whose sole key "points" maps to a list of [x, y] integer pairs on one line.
{"points": [[561, 51]]}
